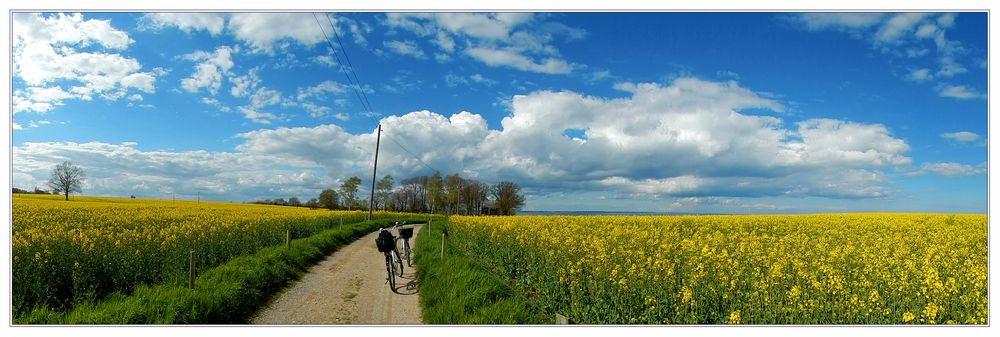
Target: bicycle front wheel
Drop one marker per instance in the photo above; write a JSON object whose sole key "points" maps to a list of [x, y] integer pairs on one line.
{"points": [[399, 261]]}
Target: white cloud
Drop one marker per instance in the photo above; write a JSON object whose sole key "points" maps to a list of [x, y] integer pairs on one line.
{"points": [[898, 26], [921, 75], [444, 41], [243, 85], [407, 48], [256, 116], [45, 50], [948, 169], [135, 98], [820, 21], [958, 92], [517, 40], [261, 31], [208, 73], [513, 59], [123, 169], [320, 90], [949, 68], [214, 102], [961, 136], [187, 22], [687, 138], [324, 60]]}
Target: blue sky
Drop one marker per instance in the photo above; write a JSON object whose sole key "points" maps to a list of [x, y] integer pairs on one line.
{"points": [[679, 112]]}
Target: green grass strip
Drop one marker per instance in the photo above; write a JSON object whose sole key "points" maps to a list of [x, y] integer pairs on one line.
{"points": [[457, 290], [228, 294]]}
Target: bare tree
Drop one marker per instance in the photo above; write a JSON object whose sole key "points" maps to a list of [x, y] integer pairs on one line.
{"points": [[508, 197], [66, 178]]}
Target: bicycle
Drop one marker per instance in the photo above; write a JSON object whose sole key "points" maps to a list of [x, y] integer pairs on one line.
{"points": [[405, 233], [391, 258]]}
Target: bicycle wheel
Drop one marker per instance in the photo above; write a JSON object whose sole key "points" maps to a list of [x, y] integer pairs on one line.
{"points": [[400, 261], [389, 268], [407, 252]]}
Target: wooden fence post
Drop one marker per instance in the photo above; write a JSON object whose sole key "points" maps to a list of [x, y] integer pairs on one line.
{"points": [[442, 245], [288, 238], [191, 270], [429, 225], [341, 223]]}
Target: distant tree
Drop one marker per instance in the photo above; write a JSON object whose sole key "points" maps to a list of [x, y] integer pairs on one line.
{"points": [[435, 193], [507, 195], [452, 192], [473, 196], [383, 189], [16, 190], [329, 199], [349, 191], [280, 202], [312, 203], [294, 201], [66, 178]]}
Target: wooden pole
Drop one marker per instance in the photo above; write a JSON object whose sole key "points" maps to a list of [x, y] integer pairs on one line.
{"points": [[442, 245], [371, 199], [288, 238], [429, 226], [191, 270]]}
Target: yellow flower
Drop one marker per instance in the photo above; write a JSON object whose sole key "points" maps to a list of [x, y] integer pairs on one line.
{"points": [[908, 316], [734, 317]]}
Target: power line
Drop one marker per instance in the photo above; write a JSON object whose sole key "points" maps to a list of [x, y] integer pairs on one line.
{"points": [[355, 86], [348, 58], [356, 82]]}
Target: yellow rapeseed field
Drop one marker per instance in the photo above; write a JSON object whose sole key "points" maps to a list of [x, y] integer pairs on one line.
{"points": [[86, 248], [743, 269]]}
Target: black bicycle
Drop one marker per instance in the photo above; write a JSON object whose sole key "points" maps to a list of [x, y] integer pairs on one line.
{"points": [[388, 249]]}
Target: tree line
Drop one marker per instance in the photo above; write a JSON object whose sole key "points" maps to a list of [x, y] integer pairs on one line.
{"points": [[450, 194]]}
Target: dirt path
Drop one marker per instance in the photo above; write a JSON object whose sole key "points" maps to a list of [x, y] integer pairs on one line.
{"points": [[348, 287]]}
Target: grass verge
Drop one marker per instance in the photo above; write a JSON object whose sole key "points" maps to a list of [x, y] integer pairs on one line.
{"points": [[228, 294], [457, 290]]}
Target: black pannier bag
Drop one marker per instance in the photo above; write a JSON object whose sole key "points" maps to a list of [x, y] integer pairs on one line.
{"points": [[406, 232], [384, 241]]}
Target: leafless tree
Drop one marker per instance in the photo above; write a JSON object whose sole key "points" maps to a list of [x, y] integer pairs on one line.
{"points": [[66, 178]]}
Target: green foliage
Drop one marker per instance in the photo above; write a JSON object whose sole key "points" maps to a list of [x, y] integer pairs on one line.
{"points": [[457, 290], [228, 294]]}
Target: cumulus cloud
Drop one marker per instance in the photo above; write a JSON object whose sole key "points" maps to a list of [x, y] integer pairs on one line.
{"points": [[187, 22], [123, 169], [689, 138], [47, 49], [262, 30], [209, 73]]}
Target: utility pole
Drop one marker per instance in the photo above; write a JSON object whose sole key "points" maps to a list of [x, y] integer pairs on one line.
{"points": [[371, 200]]}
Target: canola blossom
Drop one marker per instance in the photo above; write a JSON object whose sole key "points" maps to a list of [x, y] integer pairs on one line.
{"points": [[741, 269], [83, 250]]}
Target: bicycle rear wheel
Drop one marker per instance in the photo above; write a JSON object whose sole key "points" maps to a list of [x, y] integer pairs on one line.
{"points": [[389, 268]]}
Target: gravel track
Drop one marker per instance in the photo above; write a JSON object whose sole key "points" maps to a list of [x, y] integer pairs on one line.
{"points": [[348, 287]]}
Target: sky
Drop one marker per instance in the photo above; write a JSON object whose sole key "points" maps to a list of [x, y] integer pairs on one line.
{"points": [[661, 112]]}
